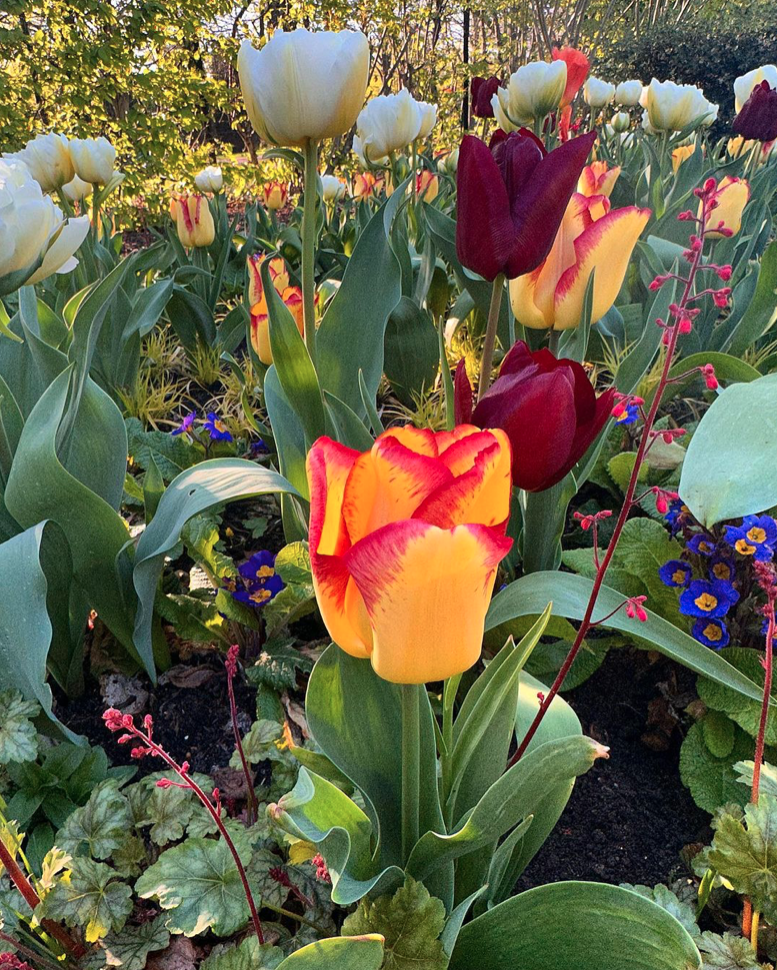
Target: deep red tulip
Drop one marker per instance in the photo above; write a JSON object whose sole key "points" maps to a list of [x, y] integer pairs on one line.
{"points": [[548, 409], [757, 120], [577, 71], [511, 199], [482, 90]]}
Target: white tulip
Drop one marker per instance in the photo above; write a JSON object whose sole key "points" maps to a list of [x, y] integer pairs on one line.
{"points": [[388, 124], [743, 86], [428, 118], [598, 93], [48, 159], [210, 179], [532, 92], [628, 93], [620, 122], [647, 127], [94, 159], [333, 189], [35, 238], [449, 163], [304, 85], [672, 107], [76, 189]]}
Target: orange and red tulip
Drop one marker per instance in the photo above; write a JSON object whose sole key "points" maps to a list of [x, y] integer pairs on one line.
{"points": [[591, 238], [405, 540], [364, 185], [577, 71], [681, 154], [598, 179], [427, 185]]}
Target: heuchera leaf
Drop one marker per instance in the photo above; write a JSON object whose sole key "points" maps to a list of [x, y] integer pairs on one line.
{"points": [[728, 952], [18, 737], [130, 948], [99, 827], [248, 955], [90, 899], [411, 921]]}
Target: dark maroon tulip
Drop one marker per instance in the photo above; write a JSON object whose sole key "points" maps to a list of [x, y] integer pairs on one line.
{"points": [[511, 199], [547, 408], [482, 90], [758, 118]]}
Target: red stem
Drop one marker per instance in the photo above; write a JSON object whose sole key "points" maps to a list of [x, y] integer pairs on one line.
{"points": [[190, 783], [761, 739], [622, 517], [253, 802]]}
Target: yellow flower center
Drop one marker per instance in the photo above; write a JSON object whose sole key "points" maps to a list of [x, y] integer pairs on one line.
{"points": [[264, 572], [678, 576], [705, 547], [260, 596], [713, 632], [756, 534], [721, 570], [219, 426], [706, 602], [743, 548]]}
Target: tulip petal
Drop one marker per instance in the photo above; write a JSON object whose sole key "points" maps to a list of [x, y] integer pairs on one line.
{"points": [[538, 210], [462, 395], [342, 610], [388, 484], [605, 246], [484, 229], [480, 491], [426, 591], [61, 250]]}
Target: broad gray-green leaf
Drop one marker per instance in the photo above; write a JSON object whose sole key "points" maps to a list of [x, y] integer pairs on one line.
{"points": [[728, 952], [711, 779], [129, 949], [666, 899], [729, 465], [18, 737], [338, 953], [248, 955], [100, 826], [92, 899], [198, 883]]}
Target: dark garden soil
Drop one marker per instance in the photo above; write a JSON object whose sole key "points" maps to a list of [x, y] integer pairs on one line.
{"points": [[629, 817], [627, 820]]}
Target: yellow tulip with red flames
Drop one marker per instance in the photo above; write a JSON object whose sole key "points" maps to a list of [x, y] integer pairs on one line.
{"points": [[405, 541], [260, 322], [591, 237], [193, 220], [731, 197], [598, 179], [427, 186], [365, 185], [274, 195]]}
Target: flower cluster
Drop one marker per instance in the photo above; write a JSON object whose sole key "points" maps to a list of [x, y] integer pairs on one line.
{"points": [[257, 581], [212, 425], [712, 574]]}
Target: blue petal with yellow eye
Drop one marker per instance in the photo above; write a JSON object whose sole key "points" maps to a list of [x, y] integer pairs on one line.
{"points": [[701, 545], [712, 633], [756, 537], [678, 516], [722, 567], [675, 572], [216, 428], [258, 581], [708, 598]]}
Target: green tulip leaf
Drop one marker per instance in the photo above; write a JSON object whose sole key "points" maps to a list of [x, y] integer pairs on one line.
{"points": [[529, 595], [609, 929], [338, 953], [729, 465]]}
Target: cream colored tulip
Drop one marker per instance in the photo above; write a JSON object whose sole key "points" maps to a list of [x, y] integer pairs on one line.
{"points": [[743, 86], [620, 122], [48, 159], [333, 188], [598, 93], [94, 159], [304, 85], [210, 179], [428, 118], [532, 92], [628, 93], [389, 123], [77, 190], [672, 107], [35, 238]]}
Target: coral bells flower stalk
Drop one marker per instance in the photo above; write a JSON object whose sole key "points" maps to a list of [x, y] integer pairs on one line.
{"points": [[680, 312], [145, 746], [233, 655], [405, 540]]}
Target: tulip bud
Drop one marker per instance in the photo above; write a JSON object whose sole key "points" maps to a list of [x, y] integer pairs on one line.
{"points": [[620, 122], [37, 241], [598, 179], [757, 119], [427, 186], [482, 90], [94, 159], [48, 159], [389, 123], [333, 188], [449, 162], [628, 93], [672, 107], [731, 196], [304, 86], [681, 154], [598, 93], [193, 221], [532, 92], [210, 179], [274, 195]]}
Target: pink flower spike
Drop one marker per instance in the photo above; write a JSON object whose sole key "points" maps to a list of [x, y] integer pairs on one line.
{"points": [[231, 662], [685, 325], [724, 272], [164, 783], [634, 608]]}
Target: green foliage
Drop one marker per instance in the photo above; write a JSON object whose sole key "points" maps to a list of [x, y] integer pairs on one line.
{"points": [[18, 737], [411, 921], [90, 898], [710, 777], [100, 827], [666, 899], [248, 955], [728, 952], [129, 948], [746, 712], [744, 852]]}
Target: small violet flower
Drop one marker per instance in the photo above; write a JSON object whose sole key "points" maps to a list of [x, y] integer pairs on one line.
{"points": [[260, 582], [708, 598], [216, 428], [185, 427], [675, 572]]}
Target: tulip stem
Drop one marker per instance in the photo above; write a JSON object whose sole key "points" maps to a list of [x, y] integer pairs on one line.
{"points": [[411, 767], [445, 375], [554, 338], [309, 246], [487, 360]]}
